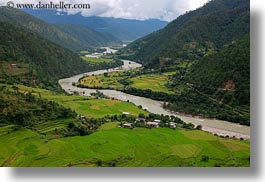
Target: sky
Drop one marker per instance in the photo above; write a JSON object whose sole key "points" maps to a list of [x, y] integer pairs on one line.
{"points": [[130, 9]]}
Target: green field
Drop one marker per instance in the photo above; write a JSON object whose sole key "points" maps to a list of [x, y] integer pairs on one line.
{"points": [[113, 146], [97, 60], [110, 145], [155, 82], [109, 81], [87, 106], [51, 126], [98, 108]]}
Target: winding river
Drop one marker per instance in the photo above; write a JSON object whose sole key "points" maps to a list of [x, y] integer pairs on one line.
{"points": [[211, 125]]}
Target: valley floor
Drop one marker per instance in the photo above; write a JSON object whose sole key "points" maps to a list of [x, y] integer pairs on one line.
{"points": [[114, 146]]}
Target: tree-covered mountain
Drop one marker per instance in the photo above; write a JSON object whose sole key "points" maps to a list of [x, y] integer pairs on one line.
{"points": [[218, 86], [194, 34], [88, 37], [61, 36], [123, 29], [29, 59]]}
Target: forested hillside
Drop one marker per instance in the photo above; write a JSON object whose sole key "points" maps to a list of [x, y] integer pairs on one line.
{"points": [[88, 37], [219, 86], [193, 35], [32, 60], [122, 29], [87, 40], [27, 110]]}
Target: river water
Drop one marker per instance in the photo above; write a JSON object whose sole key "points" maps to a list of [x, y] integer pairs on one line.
{"points": [[211, 125]]}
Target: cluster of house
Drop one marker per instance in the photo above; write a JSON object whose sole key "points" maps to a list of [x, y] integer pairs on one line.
{"points": [[94, 55], [153, 124], [13, 66]]}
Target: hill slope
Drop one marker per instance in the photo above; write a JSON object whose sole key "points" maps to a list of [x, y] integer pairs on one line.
{"points": [[30, 59], [123, 29], [88, 37], [194, 34], [53, 33], [219, 86]]}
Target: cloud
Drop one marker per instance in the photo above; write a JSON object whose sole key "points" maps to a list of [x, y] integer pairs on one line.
{"points": [[130, 9]]}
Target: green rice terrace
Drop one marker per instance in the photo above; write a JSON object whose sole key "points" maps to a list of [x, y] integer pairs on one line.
{"points": [[120, 80], [87, 106], [97, 60], [113, 146], [56, 142]]}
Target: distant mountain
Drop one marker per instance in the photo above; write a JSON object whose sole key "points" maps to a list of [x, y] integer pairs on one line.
{"points": [[194, 34], [123, 29], [87, 36], [29, 59], [63, 36]]}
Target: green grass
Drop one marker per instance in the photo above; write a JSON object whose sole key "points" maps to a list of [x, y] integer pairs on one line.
{"points": [[108, 126], [22, 69], [154, 82], [97, 60], [5, 129], [122, 147], [50, 126], [87, 106], [117, 47], [112, 145], [98, 108], [111, 81]]}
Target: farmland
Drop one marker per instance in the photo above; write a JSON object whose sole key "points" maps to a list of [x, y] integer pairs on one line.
{"points": [[87, 106], [154, 82], [113, 146], [119, 80], [97, 60], [110, 80], [98, 108]]}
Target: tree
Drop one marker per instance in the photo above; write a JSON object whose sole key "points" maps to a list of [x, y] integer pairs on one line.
{"points": [[205, 158], [198, 127]]}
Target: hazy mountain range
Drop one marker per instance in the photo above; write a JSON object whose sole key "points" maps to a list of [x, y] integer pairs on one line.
{"points": [[121, 29]]}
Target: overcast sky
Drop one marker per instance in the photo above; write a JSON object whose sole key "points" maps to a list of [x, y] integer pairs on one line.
{"points": [[131, 9]]}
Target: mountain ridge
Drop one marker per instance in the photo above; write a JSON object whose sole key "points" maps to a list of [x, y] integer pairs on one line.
{"points": [[53, 33], [29, 59], [122, 29], [193, 34]]}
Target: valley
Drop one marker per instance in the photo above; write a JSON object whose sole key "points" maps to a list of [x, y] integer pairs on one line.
{"points": [[95, 91], [183, 147], [212, 125]]}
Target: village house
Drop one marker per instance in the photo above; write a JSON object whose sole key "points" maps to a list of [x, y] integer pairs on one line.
{"points": [[81, 117], [140, 120], [157, 121], [13, 66], [172, 125], [152, 124], [127, 125]]}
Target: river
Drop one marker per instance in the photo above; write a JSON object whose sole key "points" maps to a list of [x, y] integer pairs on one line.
{"points": [[211, 125]]}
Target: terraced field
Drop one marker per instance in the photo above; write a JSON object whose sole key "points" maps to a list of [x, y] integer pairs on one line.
{"points": [[87, 106], [102, 81], [113, 146], [5, 129], [97, 60], [155, 82], [98, 108], [50, 126]]}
